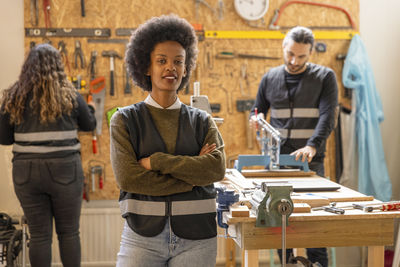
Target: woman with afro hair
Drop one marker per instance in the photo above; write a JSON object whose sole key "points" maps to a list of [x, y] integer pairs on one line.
{"points": [[165, 155], [40, 115]]}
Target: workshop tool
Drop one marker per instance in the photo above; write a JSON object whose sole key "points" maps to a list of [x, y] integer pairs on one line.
{"points": [[96, 170], [124, 31], [97, 89], [278, 12], [112, 55], [127, 88], [225, 198], [208, 58], [231, 55], [221, 9], [82, 8], [46, 11], [330, 209], [64, 54], [320, 47], [108, 41], [199, 101], [273, 206], [245, 106], [277, 35], [78, 54], [67, 32], [271, 157], [92, 64], [203, 2], [244, 81], [34, 12]]}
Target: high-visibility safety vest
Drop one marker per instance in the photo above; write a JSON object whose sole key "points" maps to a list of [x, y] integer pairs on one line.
{"points": [[308, 116], [192, 214], [59, 138]]}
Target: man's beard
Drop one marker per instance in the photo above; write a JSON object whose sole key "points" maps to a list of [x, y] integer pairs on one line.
{"points": [[294, 68]]}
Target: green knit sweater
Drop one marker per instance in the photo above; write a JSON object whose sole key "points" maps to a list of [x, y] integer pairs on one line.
{"points": [[170, 173]]}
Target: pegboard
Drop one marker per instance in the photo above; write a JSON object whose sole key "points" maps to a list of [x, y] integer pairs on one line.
{"points": [[224, 81]]}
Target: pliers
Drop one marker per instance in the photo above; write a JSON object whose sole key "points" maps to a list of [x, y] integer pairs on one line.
{"points": [[64, 54], [78, 53]]}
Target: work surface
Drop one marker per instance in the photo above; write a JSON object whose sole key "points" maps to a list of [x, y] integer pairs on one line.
{"points": [[316, 228]]}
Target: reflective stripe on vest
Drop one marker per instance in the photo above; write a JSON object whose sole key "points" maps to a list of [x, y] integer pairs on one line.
{"points": [[45, 136], [43, 149], [157, 208], [297, 133], [297, 113]]}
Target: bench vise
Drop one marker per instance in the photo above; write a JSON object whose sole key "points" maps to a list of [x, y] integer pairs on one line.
{"points": [[225, 198], [271, 203]]}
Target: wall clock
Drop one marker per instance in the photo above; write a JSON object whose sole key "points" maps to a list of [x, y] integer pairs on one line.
{"points": [[251, 9]]}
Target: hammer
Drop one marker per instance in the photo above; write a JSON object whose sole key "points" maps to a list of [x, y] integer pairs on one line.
{"points": [[111, 54]]}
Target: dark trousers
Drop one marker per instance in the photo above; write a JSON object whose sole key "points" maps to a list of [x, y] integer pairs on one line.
{"points": [[47, 189], [313, 254]]}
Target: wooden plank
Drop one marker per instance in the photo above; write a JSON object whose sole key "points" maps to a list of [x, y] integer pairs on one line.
{"points": [[331, 233], [376, 256], [249, 258], [301, 208]]}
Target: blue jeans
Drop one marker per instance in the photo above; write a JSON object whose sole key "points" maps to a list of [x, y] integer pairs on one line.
{"points": [[165, 249], [47, 189]]}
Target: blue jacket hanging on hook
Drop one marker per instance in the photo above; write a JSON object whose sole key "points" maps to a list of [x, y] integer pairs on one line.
{"points": [[373, 177]]}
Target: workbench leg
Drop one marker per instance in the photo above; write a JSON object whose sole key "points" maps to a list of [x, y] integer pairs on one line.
{"points": [[376, 256], [249, 258], [230, 253]]}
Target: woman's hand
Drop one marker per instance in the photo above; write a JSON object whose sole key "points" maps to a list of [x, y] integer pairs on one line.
{"points": [[145, 163], [207, 149]]}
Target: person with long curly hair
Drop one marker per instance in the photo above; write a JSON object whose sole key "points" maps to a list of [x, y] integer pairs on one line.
{"points": [[40, 114], [165, 155]]}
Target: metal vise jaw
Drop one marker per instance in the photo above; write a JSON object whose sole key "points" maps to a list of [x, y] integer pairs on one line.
{"points": [[271, 203], [225, 198]]}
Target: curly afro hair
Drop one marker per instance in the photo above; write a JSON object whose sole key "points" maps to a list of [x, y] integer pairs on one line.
{"points": [[157, 30]]}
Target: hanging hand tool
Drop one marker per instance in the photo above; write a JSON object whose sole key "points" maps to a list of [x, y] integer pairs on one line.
{"points": [[78, 53], [273, 25], [111, 54], [230, 55], [34, 12], [92, 65], [97, 169], [197, 6], [127, 89], [64, 54], [83, 8], [97, 89], [46, 10], [245, 106]]}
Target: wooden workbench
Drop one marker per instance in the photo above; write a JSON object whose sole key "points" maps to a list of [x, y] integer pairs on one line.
{"points": [[319, 229]]}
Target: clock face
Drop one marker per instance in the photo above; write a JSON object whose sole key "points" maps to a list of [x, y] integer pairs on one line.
{"points": [[251, 9]]}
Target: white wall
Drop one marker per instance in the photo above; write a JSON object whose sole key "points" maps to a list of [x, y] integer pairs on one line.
{"points": [[11, 59], [380, 31]]}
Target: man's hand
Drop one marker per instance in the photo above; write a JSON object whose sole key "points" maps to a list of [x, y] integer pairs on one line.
{"points": [[145, 163], [207, 149], [253, 120], [307, 152]]}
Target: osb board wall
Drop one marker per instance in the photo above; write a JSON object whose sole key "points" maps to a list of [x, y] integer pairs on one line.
{"points": [[224, 81]]}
